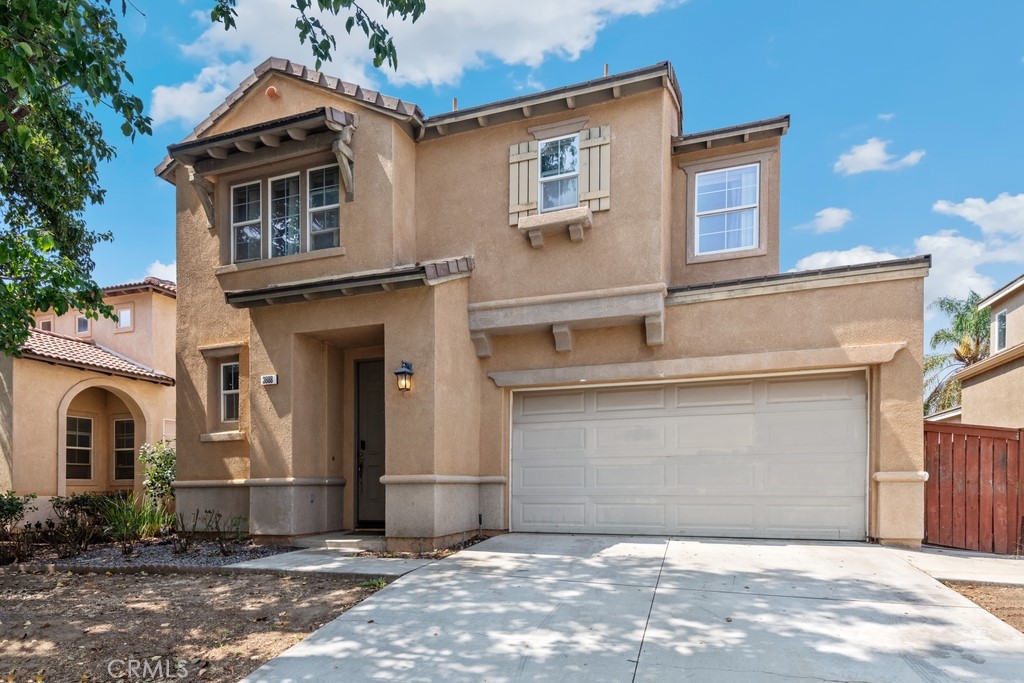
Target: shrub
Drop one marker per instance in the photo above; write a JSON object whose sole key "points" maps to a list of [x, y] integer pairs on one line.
{"points": [[12, 510], [159, 461], [15, 541], [79, 521], [130, 519]]}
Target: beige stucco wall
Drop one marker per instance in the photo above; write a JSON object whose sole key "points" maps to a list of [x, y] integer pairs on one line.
{"points": [[1014, 307], [994, 398], [49, 393]]}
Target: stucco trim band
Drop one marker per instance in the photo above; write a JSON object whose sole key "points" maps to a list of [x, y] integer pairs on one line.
{"points": [[708, 366], [270, 481], [900, 477], [218, 437], [399, 479]]}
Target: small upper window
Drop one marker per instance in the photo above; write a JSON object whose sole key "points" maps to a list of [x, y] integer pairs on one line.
{"points": [[45, 324], [124, 319], [324, 208], [727, 206], [559, 173], [1000, 331], [82, 325], [246, 230]]}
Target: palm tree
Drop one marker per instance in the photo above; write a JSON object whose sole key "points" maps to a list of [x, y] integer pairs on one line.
{"points": [[968, 335]]}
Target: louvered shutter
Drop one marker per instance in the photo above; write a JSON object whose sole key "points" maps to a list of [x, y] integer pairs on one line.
{"points": [[522, 180], [596, 167]]}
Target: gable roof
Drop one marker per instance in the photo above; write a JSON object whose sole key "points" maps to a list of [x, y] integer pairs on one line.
{"points": [[149, 284], [1002, 292], [58, 349]]}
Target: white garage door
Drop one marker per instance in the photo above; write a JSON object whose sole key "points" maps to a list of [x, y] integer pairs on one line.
{"points": [[781, 457]]}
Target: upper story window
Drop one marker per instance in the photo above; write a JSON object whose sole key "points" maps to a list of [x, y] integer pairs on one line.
{"points": [[83, 326], [125, 318], [1000, 331], [309, 200], [45, 323], [559, 173], [727, 209]]}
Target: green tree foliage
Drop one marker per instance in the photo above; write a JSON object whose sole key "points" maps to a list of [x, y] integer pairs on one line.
{"points": [[60, 60], [160, 463], [966, 340]]}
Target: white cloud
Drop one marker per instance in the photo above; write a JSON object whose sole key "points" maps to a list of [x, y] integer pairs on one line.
{"points": [[451, 37], [1004, 214], [830, 219], [849, 257], [164, 271], [873, 156], [955, 261], [888, 116]]}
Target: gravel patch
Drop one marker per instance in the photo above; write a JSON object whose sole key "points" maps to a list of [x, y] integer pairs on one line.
{"points": [[161, 554]]}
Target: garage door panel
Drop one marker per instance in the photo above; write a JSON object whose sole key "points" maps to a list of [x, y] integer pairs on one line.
{"points": [[773, 458]]}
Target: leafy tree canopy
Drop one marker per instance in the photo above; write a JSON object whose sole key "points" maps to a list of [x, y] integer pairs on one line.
{"points": [[59, 61], [967, 341]]}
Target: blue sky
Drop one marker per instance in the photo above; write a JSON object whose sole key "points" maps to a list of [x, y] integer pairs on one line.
{"points": [[906, 132]]}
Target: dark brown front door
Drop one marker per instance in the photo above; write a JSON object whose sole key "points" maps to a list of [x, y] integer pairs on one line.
{"points": [[369, 443]]}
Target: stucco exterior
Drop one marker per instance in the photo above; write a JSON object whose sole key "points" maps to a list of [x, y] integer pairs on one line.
{"points": [[992, 388], [435, 268], [42, 389]]}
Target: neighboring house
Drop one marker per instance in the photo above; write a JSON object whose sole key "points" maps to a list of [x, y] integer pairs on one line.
{"points": [[590, 302], [85, 394], [993, 388], [950, 416]]}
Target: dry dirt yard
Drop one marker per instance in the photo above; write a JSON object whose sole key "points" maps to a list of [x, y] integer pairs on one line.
{"points": [[209, 627], [1006, 602]]}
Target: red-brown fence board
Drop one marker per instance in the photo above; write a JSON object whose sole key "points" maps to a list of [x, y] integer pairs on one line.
{"points": [[974, 497]]}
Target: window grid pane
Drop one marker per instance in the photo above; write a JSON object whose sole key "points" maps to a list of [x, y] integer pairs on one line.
{"points": [[1000, 331], [246, 227], [284, 216], [726, 209], [229, 392], [324, 208], [559, 173], [124, 450], [78, 453]]}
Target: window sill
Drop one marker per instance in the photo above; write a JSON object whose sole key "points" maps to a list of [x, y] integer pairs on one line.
{"points": [[726, 255], [279, 261], [217, 437], [573, 220]]}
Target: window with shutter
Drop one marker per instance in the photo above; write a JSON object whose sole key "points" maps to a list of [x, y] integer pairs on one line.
{"points": [[594, 171]]}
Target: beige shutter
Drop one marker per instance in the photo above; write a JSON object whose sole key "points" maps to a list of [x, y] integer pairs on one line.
{"points": [[596, 167], [522, 180]]}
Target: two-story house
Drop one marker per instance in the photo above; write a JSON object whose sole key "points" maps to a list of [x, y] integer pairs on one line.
{"points": [[85, 394], [553, 313], [993, 388]]}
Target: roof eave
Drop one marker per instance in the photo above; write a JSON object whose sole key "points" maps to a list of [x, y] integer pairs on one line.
{"points": [[155, 379], [1002, 292], [731, 135], [991, 363]]}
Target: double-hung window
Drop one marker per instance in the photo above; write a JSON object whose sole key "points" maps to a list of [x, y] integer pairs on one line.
{"points": [[246, 223], [727, 209], [78, 448], [324, 208], [124, 450], [1000, 331], [559, 175], [284, 216], [229, 392]]}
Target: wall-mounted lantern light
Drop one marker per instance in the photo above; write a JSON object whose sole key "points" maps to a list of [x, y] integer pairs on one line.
{"points": [[404, 375]]}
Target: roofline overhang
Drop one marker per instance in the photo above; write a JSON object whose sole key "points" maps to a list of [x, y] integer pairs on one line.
{"points": [[991, 363], [123, 290], [1002, 292], [555, 101], [731, 135], [157, 379], [401, 277]]}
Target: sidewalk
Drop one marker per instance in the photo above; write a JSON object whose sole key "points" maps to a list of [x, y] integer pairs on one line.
{"points": [[947, 564]]}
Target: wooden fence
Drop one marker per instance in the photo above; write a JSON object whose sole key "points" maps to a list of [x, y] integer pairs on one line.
{"points": [[974, 498]]}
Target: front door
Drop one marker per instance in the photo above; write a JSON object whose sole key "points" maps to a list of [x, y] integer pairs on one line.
{"points": [[369, 443]]}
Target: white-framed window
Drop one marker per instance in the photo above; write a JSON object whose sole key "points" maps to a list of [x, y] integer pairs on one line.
{"points": [[78, 448], [45, 323], [124, 450], [727, 209], [246, 223], [559, 173], [1000, 331], [125, 318], [324, 189], [83, 326], [229, 392], [284, 216]]}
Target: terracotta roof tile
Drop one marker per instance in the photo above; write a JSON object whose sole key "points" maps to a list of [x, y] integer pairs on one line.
{"points": [[57, 348], [154, 284]]}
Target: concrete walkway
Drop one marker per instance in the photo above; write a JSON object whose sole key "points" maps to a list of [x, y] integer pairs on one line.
{"points": [[946, 564], [597, 608], [334, 561]]}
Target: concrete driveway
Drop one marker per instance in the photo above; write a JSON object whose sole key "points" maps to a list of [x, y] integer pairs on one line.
{"points": [[526, 607]]}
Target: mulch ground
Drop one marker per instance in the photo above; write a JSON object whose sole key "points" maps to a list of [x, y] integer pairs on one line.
{"points": [[1006, 602]]}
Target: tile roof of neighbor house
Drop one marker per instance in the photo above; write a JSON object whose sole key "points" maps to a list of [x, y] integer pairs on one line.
{"points": [[149, 284], [58, 349]]}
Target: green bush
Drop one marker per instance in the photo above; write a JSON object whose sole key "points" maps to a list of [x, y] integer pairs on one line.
{"points": [[130, 519], [12, 510], [159, 460], [15, 542], [79, 521]]}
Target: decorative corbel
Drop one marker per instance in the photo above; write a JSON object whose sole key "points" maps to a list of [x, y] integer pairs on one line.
{"points": [[204, 190], [346, 157]]}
